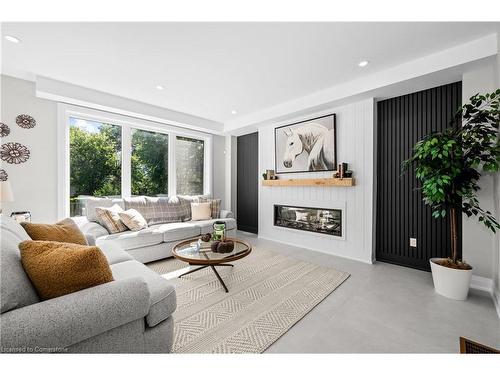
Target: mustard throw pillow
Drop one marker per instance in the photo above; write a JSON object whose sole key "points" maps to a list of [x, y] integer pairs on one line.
{"points": [[64, 231], [58, 268]]}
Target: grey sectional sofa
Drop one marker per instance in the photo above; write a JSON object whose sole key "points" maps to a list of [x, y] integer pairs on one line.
{"points": [[132, 314], [149, 244]]}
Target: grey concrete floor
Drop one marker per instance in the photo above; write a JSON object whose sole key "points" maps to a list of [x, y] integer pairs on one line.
{"points": [[383, 308]]}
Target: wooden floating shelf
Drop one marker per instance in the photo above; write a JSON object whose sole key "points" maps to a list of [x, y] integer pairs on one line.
{"points": [[310, 182]]}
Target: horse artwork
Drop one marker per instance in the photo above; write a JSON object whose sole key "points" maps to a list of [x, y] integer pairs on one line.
{"points": [[306, 146]]}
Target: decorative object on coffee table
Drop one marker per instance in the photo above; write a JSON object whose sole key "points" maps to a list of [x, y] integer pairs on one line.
{"points": [[224, 247], [214, 245], [206, 237], [219, 231], [4, 130], [25, 121], [209, 258]]}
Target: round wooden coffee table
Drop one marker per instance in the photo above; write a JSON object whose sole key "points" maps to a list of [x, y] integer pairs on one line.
{"points": [[205, 257]]}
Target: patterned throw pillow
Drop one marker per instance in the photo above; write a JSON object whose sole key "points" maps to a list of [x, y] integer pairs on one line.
{"points": [[214, 206], [133, 219], [160, 210], [108, 217]]}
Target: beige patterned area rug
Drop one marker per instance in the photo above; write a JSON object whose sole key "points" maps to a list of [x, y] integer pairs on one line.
{"points": [[268, 294]]}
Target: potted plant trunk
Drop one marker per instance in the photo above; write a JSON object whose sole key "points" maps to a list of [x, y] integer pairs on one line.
{"points": [[449, 165]]}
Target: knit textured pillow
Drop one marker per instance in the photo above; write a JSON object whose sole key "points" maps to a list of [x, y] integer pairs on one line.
{"points": [[59, 268], [64, 231], [108, 217]]}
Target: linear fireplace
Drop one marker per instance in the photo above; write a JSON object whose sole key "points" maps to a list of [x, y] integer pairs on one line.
{"points": [[310, 219]]}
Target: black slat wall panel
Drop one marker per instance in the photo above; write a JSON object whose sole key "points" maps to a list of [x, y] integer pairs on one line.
{"points": [[247, 189], [401, 214]]}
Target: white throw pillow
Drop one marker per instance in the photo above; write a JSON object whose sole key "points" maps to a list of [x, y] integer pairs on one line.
{"points": [[201, 211], [133, 219]]}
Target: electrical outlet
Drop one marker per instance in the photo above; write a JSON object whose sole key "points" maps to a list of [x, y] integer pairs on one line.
{"points": [[413, 242]]}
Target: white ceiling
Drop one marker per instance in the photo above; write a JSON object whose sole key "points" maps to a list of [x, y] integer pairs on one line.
{"points": [[210, 69]]}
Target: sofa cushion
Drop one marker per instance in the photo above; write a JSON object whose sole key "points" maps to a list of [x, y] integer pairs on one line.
{"points": [[91, 229], [207, 226], [64, 231], [132, 240], [133, 219], [16, 289], [92, 202], [162, 292], [113, 253], [177, 231], [201, 211], [60, 268], [159, 210]]}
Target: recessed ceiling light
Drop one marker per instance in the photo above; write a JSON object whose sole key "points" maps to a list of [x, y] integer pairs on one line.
{"points": [[12, 39], [159, 87], [234, 112], [363, 63]]}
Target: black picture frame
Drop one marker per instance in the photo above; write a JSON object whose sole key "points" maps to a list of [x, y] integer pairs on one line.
{"points": [[334, 166]]}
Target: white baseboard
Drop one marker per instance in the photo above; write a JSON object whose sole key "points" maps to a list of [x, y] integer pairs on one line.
{"points": [[486, 285], [314, 249], [496, 300], [482, 283]]}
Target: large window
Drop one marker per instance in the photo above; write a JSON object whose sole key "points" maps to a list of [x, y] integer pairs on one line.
{"points": [[95, 161], [149, 163], [189, 154], [110, 155]]}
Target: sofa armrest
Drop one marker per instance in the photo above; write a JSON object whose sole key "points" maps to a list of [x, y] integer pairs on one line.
{"points": [[69, 319], [226, 214], [90, 229]]}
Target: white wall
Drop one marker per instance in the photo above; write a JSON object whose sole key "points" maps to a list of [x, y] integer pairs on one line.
{"points": [[219, 169], [34, 183], [355, 145], [477, 240], [496, 250], [234, 174]]}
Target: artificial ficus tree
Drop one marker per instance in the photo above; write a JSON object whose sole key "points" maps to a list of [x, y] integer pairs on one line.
{"points": [[449, 165]]}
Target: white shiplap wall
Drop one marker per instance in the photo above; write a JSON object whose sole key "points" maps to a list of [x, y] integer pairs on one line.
{"points": [[355, 145]]}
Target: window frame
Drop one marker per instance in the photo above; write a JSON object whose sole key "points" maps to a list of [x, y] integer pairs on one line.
{"points": [[65, 111]]}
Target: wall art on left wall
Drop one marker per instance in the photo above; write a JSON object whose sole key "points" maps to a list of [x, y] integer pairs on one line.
{"points": [[4, 130], [14, 153], [25, 121]]}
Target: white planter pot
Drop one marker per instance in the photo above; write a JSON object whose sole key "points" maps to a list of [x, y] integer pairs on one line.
{"points": [[450, 282]]}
